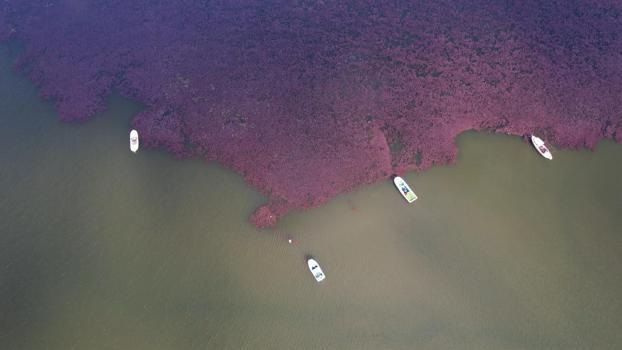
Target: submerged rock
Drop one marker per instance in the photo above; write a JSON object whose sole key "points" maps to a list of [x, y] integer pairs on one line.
{"points": [[312, 99]]}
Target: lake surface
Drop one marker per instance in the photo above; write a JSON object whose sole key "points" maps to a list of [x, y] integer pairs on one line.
{"points": [[104, 249]]}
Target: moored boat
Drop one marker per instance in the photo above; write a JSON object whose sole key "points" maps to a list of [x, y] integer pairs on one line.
{"points": [[316, 270], [540, 147], [404, 189], [134, 141]]}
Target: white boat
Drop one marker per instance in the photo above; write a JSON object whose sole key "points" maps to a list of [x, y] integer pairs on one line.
{"points": [[316, 270], [134, 141], [404, 189], [539, 145]]}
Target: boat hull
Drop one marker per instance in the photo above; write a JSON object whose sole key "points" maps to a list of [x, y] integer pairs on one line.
{"points": [[405, 190], [134, 142], [316, 270], [538, 144]]}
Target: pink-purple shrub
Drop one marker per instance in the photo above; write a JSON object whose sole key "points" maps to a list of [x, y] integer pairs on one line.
{"points": [[310, 99]]}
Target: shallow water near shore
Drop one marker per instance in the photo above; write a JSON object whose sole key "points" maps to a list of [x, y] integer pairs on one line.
{"points": [[104, 249]]}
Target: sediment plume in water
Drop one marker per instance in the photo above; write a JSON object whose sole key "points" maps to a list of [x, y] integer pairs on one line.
{"points": [[309, 99]]}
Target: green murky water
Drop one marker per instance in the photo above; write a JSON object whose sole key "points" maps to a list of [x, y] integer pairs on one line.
{"points": [[104, 249]]}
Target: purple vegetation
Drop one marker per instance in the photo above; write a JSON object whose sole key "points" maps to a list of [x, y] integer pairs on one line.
{"points": [[309, 99]]}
